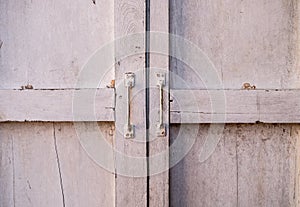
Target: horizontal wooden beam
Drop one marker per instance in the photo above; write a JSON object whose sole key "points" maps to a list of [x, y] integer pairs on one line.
{"points": [[235, 106], [187, 106], [57, 105]]}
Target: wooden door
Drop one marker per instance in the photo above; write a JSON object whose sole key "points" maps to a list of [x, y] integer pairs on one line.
{"points": [[63, 107], [237, 115], [212, 111]]}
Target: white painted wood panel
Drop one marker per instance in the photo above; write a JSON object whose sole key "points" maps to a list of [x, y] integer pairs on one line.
{"points": [[267, 155], [46, 43], [84, 181], [235, 106], [158, 146], [253, 42], [33, 168], [209, 183], [43, 164], [130, 156], [247, 41], [57, 105], [6, 166], [252, 165]]}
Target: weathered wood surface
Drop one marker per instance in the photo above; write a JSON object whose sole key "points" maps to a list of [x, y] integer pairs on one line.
{"points": [[29, 166], [46, 43], [85, 182], [253, 165], [158, 146], [210, 183], [247, 41], [6, 166], [252, 42], [296, 132], [57, 105], [240, 106], [267, 156], [43, 164], [235, 106], [130, 157]]}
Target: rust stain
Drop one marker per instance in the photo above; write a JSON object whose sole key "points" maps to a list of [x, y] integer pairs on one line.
{"points": [[248, 86], [112, 84], [28, 86]]}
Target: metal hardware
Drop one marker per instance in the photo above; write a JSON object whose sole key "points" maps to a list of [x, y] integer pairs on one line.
{"points": [[129, 83], [161, 128]]}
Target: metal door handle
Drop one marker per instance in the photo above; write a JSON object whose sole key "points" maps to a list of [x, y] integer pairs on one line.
{"points": [[129, 83], [161, 128]]}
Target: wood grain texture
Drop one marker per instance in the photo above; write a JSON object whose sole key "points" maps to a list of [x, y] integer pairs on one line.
{"points": [[279, 106], [32, 176], [57, 105], [43, 164], [296, 134], [209, 183], [46, 43], [85, 182], [235, 106], [266, 155], [159, 63], [252, 42], [247, 41], [6, 166], [252, 165], [131, 181]]}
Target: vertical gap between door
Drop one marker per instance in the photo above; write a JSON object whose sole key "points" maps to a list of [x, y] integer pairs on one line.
{"points": [[147, 68], [169, 97]]}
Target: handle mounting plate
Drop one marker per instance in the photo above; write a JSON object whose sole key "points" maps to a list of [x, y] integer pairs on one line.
{"points": [[129, 79], [129, 82], [161, 127], [129, 132]]}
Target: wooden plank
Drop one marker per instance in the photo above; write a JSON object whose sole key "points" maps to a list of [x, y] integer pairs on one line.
{"points": [[6, 166], [236, 106], [211, 182], [159, 63], [35, 175], [267, 157], [296, 134], [279, 106], [247, 41], [85, 181], [200, 106], [57, 105], [46, 43], [130, 156]]}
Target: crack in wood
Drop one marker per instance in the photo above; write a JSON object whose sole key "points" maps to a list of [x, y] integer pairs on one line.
{"points": [[13, 164], [58, 165], [237, 170]]}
